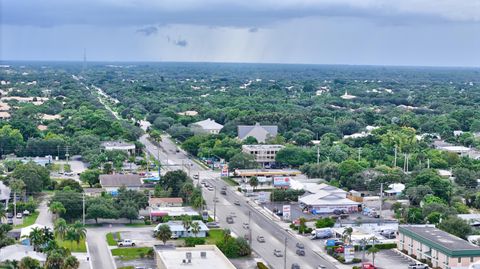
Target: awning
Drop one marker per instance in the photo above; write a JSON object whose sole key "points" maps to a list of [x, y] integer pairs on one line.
{"points": [[159, 214]]}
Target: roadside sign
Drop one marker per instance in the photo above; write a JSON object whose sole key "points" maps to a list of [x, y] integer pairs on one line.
{"points": [[262, 197], [224, 172], [281, 182], [349, 252], [286, 212]]}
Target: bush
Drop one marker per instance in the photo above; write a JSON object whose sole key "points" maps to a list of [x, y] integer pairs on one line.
{"points": [[193, 241], [148, 222], [379, 246], [356, 260], [340, 259], [356, 267], [325, 223], [31, 205], [286, 195], [260, 265]]}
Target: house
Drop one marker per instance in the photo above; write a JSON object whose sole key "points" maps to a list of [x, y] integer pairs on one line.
{"points": [[111, 183], [324, 198], [190, 113], [4, 115], [177, 211], [18, 252], [179, 231], [198, 257], [441, 249], [165, 202], [394, 189], [264, 154], [260, 132], [208, 126], [119, 145], [25, 233], [4, 194], [347, 96]]}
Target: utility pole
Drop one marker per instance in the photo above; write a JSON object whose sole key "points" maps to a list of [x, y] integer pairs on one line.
{"points": [[381, 201], [318, 154], [15, 204], [215, 205], [285, 255], [66, 153], [249, 230], [395, 159], [83, 208]]}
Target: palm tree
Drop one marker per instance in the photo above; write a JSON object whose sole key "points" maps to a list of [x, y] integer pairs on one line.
{"points": [[36, 237], [3, 214], [57, 208], [187, 222], [71, 263], [11, 264], [54, 260], [163, 233], [373, 250], [61, 228], [71, 235], [347, 234], [80, 231], [29, 263], [226, 234], [195, 228]]}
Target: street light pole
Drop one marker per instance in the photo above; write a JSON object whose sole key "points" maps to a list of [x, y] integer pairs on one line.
{"points": [[285, 255]]}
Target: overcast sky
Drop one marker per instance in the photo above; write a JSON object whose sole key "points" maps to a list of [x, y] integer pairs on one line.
{"points": [[373, 32]]}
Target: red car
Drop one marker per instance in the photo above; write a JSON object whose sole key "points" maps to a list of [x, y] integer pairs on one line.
{"points": [[340, 249], [368, 265]]}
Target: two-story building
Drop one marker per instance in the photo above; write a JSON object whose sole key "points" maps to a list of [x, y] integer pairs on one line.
{"points": [[264, 154], [438, 247]]}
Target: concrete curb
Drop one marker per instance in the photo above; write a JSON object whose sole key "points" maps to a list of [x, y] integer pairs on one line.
{"points": [[88, 255]]}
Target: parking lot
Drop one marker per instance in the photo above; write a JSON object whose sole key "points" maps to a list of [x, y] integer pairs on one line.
{"points": [[141, 238]]}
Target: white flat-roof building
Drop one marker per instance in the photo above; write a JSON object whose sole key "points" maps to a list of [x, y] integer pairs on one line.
{"points": [[207, 126], [264, 154], [18, 252], [119, 145], [179, 230], [198, 257], [324, 198]]}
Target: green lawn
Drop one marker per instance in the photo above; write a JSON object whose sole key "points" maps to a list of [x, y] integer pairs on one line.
{"points": [[28, 220], [111, 240], [73, 246], [214, 235], [127, 254], [230, 181]]}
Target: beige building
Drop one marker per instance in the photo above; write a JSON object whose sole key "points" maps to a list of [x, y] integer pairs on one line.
{"points": [[198, 257], [439, 248], [264, 154]]}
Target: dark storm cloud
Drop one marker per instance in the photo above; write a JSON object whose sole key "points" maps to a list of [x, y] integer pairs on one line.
{"points": [[150, 30], [225, 13]]}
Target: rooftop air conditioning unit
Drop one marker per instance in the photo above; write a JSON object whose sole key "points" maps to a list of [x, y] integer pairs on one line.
{"points": [[203, 255]]}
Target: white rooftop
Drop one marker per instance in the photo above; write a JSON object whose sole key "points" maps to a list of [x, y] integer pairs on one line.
{"points": [[173, 258], [209, 124], [18, 252]]}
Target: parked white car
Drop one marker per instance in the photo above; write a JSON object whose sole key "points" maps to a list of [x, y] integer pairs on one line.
{"points": [[126, 243]]}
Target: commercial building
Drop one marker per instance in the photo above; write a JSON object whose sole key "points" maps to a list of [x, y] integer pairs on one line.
{"points": [[264, 154], [206, 126], [179, 231], [111, 183], [157, 212], [266, 172], [165, 202], [198, 257], [439, 248], [323, 198], [119, 145], [259, 132], [4, 194]]}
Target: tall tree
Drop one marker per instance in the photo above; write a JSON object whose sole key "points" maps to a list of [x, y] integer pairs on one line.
{"points": [[163, 233], [57, 208], [195, 228]]}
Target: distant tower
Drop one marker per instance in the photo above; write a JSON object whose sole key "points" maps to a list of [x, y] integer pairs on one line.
{"points": [[84, 66]]}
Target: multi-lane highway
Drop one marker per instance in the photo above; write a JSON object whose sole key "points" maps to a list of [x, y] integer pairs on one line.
{"points": [[260, 224]]}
